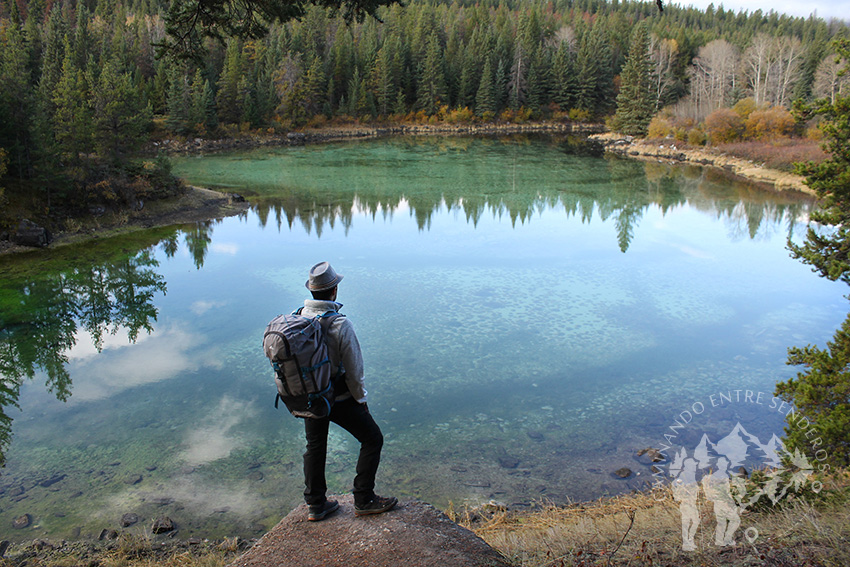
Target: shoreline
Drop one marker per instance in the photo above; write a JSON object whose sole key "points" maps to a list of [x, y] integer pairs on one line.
{"points": [[202, 204], [328, 134], [642, 149]]}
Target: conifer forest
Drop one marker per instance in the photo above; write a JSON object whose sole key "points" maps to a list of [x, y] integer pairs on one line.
{"points": [[85, 84]]}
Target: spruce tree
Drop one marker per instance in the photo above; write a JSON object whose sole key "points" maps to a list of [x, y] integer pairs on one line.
{"points": [[635, 103], [432, 82], [73, 118], [821, 393], [485, 98], [179, 102], [120, 116]]}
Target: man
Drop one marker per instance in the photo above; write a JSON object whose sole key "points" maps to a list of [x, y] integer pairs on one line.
{"points": [[349, 410]]}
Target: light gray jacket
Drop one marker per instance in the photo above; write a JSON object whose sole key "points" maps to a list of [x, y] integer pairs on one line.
{"points": [[343, 347]]}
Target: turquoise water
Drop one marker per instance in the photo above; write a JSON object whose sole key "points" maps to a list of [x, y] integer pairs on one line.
{"points": [[531, 316]]}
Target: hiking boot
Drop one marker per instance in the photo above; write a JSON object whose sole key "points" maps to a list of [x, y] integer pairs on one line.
{"points": [[319, 511], [377, 505]]}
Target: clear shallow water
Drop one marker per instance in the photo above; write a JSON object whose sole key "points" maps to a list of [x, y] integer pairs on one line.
{"points": [[530, 318]]}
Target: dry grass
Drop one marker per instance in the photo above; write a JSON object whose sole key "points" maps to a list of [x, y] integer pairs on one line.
{"points": [[778, 154], [645, 529]]}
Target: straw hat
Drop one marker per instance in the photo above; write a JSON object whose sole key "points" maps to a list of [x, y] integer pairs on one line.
{"points": [[322, 277]]}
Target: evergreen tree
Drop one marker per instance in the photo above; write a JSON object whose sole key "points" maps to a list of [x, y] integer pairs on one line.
{"points": [[198, 109], [315, 86], [595, 77], [636, 102], [385, 75], [72, 119], [563, 77], [228, 100], [821, 393], [485, 98], [120, 117], [16, 102], [432, 82], [179, 103]]}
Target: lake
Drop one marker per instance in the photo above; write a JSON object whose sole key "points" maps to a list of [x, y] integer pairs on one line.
{"points": [[532, 315]]}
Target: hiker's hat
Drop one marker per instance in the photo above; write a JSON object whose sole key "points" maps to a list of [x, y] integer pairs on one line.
{"points": [[322, 277]]}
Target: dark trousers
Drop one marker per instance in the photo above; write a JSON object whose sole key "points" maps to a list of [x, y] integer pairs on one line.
{"points": [[355, 418]]}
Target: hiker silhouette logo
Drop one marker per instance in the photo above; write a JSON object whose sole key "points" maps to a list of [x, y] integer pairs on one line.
{"points": [[715, 471]]}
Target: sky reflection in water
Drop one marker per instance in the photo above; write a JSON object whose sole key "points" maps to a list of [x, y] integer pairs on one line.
{"points": [[530, 318]]}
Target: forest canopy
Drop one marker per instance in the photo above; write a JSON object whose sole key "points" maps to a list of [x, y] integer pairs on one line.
{"points": [[83, 88]]}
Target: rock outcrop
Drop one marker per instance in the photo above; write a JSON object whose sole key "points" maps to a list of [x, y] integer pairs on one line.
{"points": [[413, 534]]}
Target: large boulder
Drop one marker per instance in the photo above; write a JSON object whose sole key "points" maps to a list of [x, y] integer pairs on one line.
{"points": [[413, 534], [31, 234]]}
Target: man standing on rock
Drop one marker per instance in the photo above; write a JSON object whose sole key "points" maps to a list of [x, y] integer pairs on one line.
{"points": [[349, 410]]}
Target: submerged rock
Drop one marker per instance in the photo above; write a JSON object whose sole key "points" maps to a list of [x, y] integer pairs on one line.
{"points": [[133, 479], [22, 522], [624, 472], [534, 435], [508, 462], [162, 525], [52, 480], [129, 519], [653, 454]]}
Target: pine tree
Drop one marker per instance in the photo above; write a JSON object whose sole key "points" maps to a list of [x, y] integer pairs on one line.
{"points": [[179, 102], [385, 75], [120, 117], [198, 109], [16, 102], [432, 82], [563, 78], [72, 119], [636, 103], [820, 392], [485, 98], [595, 76], [228, 99]]}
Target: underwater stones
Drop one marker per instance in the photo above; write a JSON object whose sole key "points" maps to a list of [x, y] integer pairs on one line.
{"points": [[534, 435], [4, 546], [654, 455], [106, 534], [623, 472], [129, 519], [15, 491], [22, 522], [508, 462], [52, 480], [255, 475], [133, 479], [162, 525]]}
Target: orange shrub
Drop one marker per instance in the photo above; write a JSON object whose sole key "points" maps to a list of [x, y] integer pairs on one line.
{"points": [[770, 123], [723, 125], [745, 107], [659, 127]]}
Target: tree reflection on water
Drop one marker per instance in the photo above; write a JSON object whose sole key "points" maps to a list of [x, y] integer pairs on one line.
{"points": [[43, 310]]}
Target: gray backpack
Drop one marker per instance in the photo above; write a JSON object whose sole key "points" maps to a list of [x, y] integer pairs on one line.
{"points": [[297, 348]]}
